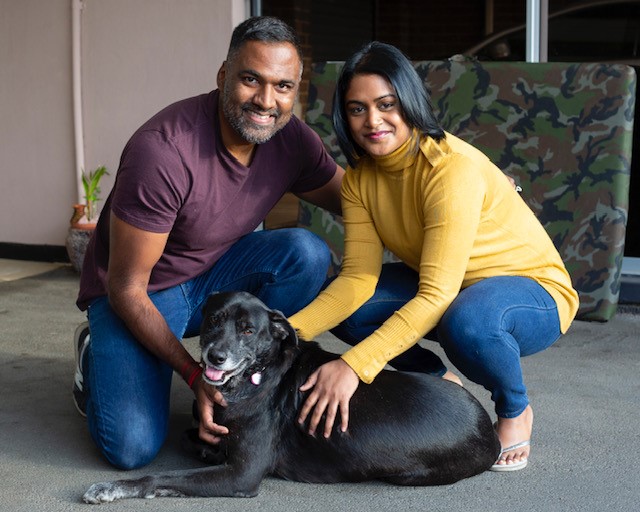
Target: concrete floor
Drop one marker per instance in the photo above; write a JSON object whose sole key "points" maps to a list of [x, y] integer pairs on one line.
{"points": [[585, 391]]}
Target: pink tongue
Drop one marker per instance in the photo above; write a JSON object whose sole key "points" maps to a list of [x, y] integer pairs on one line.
{"points": [[214, 374]]}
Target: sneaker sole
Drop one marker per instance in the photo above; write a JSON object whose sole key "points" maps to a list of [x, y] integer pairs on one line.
{"points": [[79, 347]]}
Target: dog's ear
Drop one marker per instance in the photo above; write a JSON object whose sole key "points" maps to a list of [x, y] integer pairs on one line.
{"points": [[281, 328], [211, 310], [213, 303]]}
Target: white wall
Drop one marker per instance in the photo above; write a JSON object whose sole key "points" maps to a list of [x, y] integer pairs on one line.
{"points": [[37, 186], [137, 57]]}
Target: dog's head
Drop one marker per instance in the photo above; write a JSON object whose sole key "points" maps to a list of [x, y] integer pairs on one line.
{"points": [[240, 337]]}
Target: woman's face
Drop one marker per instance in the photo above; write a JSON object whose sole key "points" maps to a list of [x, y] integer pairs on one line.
{"points": [[374, 115]]}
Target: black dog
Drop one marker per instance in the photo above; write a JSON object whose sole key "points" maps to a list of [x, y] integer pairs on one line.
{"points": [[404, 428]]}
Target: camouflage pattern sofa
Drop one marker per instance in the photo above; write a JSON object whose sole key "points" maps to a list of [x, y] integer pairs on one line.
{"points": [[563, 131]]}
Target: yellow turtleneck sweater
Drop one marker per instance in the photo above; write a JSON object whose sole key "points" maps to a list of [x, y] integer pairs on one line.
{"points": [[450, 214]]}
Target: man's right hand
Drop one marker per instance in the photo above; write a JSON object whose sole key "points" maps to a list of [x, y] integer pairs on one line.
{"points": [[206, 396]]}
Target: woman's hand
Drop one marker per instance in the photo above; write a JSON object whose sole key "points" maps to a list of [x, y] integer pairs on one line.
{"points": [[333, 384], [206, 396]]}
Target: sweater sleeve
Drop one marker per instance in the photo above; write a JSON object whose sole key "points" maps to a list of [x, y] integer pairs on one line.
{"points": [[451, 208], [359, 272]]}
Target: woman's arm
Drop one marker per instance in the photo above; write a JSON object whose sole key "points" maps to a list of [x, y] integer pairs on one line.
{"points": [[451, 209], [358, 276]]}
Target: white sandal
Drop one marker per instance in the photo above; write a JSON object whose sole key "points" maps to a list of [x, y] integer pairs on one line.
{"points": [[511, 467]]}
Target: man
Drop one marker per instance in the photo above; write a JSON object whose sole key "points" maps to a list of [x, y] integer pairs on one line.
{"points": [[193, 184]]}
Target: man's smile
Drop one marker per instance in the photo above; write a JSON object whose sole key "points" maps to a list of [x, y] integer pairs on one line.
{"points": [[261, 118]]}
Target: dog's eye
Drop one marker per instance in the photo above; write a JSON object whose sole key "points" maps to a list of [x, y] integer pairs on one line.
{"points": [[217, 318], [247, 331]]}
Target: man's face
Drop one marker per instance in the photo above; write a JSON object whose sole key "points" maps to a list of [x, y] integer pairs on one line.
{"points": [[259, 86]]}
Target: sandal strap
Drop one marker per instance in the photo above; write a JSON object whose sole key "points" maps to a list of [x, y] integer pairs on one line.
{"points": [[516, 446]]}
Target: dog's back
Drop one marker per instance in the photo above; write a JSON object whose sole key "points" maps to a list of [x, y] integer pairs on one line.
{"points": [[404, 428]]}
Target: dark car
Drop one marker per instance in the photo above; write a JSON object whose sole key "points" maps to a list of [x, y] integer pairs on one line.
{"points": [[596, 31]]}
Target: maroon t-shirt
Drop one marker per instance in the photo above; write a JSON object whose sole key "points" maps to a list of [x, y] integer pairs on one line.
{"points": [[176, 177]]}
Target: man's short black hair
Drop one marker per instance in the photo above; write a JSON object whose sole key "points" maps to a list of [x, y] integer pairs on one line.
{"points": [[262, 28]]}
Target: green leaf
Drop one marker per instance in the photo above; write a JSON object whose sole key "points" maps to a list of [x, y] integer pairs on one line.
{"points": [[91, 185]]}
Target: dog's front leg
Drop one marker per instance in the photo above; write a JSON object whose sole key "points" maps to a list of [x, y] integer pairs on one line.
{"points": [[226, 480], [105, 492], [250, 459], [171, 484]]}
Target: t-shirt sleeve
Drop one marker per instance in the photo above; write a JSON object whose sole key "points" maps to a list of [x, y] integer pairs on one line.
{"points": [[317, 166], [151, 183]]}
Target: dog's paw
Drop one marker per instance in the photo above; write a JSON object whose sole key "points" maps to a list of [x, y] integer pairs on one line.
{"points": [[104, 492]]}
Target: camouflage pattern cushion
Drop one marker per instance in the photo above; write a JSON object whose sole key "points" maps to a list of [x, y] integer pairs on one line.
{"points": [[563, 131]]}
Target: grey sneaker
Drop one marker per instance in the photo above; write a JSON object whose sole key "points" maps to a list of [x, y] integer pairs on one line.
{"points": [[80, 343]]}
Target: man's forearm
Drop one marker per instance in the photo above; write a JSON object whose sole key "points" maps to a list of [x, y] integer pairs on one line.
{"points": [[150, 328]]}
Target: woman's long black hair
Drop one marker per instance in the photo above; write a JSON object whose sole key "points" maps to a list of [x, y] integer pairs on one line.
{"points": [[387, 61]]}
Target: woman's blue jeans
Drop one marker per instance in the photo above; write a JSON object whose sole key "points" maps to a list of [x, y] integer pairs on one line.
{"points": [[484, 332], [128, 388]]}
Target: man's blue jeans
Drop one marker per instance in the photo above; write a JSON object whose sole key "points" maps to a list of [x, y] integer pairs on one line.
{"points": [[484, 332], [128, 388]]}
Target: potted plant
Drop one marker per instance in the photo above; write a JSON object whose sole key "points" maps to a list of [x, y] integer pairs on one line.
{"points": [[83, 220]]}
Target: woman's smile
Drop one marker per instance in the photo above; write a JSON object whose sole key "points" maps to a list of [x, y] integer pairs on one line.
{"points": [[377, 135]]}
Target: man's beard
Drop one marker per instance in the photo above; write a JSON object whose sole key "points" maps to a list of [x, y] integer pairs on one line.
{"points": [[251, 132]]}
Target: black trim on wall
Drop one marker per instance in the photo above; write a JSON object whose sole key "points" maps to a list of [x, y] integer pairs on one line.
{"points": [[48, 253], [629, 289]]}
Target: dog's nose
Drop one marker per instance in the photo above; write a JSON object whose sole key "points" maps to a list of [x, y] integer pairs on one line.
{"points": [[216, 357]]}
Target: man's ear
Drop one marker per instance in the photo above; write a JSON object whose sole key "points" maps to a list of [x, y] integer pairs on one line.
{"points": [[281, 328], [222, 74]]}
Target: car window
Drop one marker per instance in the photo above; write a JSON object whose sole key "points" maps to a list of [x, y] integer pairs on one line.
{"points": [[604, 34]]}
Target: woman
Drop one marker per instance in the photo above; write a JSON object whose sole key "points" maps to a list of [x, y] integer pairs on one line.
{"points": [[478, 271]]}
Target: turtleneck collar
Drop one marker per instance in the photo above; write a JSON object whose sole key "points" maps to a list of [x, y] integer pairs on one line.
{"points": [[401, 158]]}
